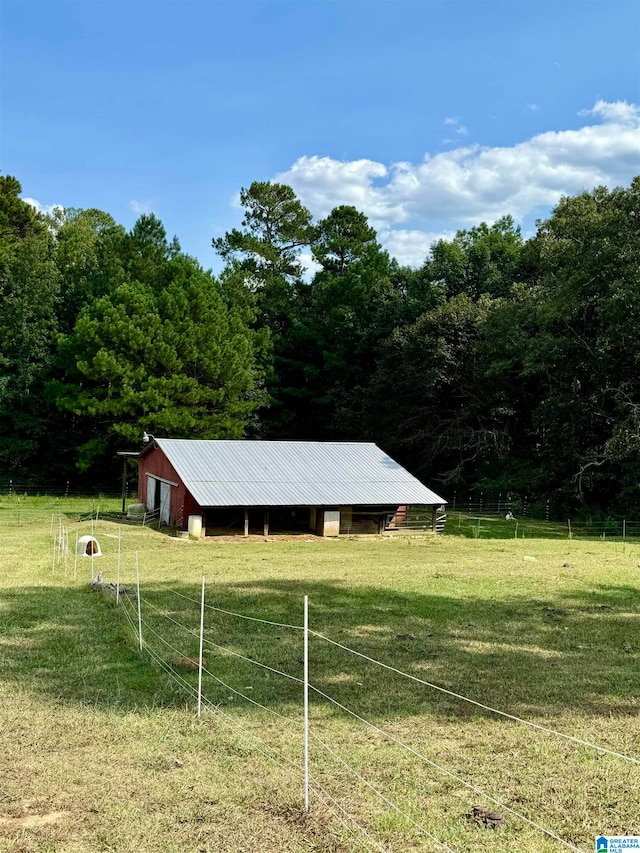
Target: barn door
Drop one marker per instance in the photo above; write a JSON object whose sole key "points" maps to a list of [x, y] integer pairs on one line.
{"points": [[151, 493], [165, 502]]}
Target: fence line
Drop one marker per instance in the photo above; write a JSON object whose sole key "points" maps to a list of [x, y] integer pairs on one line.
{"points": [[473, 702], [393, 669], [284, 763], [264, 707], [382, 796], [150, 630], [189, 687], [182, 682], [238, 615], [376, 846], [433, 764]]}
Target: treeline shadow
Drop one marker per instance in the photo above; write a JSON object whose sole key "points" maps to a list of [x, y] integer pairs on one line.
{"points": [[70, 644], [527, 657]]}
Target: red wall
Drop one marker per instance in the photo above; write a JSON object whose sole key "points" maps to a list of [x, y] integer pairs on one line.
{"points": [[182, 505]]}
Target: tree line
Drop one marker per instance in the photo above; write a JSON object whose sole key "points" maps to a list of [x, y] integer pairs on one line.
{"points": [[501, 364]]}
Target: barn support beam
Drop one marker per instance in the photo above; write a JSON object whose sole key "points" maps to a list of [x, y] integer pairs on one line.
{"points": [[266, 523], [246, 522]]}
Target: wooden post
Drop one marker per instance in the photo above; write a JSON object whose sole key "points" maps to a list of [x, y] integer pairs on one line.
{"points": [[246, 522], [266, 523]]}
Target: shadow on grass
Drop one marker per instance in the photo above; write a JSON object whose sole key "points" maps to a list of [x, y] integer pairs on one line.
{"points": [[577, 652], [71, 645]]}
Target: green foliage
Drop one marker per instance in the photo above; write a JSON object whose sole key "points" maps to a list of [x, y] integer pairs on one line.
{"points": [[176, 360], [342, 239], [500, 363], [89, 257], [275, 226], [29, 289], [581, 349], [482, 260]]}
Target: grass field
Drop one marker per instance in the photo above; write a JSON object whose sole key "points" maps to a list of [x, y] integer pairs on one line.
{"points": [[101, 749]]}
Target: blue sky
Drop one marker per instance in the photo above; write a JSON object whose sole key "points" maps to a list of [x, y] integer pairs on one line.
{"points": [[428, 116]]}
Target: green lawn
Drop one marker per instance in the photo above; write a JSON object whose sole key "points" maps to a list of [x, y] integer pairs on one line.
{"points": [[102, 751]]}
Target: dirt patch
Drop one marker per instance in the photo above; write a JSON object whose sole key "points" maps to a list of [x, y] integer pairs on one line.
{"points": [[32, 821]]}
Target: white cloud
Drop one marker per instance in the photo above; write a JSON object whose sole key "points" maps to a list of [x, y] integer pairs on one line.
{"points": [[454, 121], [322, 183], [411, 246], [619, 111], [47, 209], [140, 207], [533, 107], [464, 186], [309, 264]]}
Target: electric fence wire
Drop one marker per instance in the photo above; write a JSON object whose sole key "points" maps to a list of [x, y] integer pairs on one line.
{"points": [[242, 732], [461, 781], [316, 788], [210, 706], [238, 615], [478, 704], [415, 678], [284, 763], [222, 648], [451, 775], [177, 652], [385, 799]]}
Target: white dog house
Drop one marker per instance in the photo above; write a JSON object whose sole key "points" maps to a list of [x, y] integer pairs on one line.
{"points": [[88, 546]]}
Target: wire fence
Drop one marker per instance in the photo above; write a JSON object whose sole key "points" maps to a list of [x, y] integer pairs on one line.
{"points": [[509, 526], [275, 668], [21, 510], [66, 489], [18, 510]]}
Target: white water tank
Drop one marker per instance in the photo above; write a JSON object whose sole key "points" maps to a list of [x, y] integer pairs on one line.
{"points": [[194, 526]]}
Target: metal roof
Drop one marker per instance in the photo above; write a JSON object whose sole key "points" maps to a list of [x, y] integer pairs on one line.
{"points": [[292, 473]]}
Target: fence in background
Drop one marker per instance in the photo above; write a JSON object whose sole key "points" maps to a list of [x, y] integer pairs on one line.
{"points": [[63, 490], [24, 510], [509, 526], [186, 638], [488, 523]]}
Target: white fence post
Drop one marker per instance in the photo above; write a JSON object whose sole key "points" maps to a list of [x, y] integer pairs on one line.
{"points": [[118, 573], [200, 657], [75, 559], [306, 703], [139, 610]]}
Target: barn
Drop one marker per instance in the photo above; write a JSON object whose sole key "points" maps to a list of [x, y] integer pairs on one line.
{"points": [[248, 486]]}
